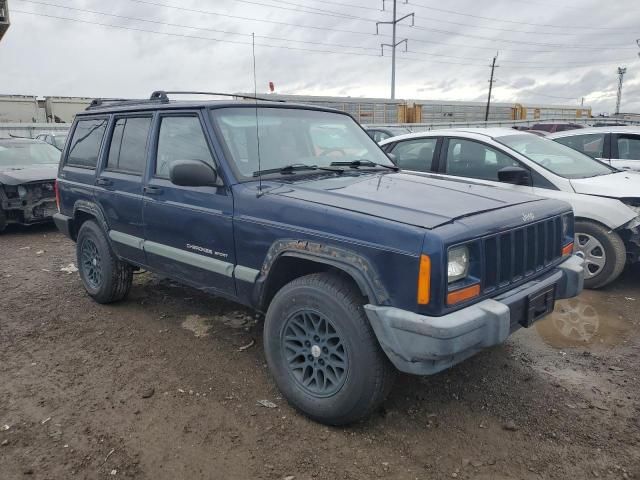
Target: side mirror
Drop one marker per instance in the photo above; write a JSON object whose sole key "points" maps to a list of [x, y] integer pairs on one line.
{"points": [[514, 175], [192, 173]]}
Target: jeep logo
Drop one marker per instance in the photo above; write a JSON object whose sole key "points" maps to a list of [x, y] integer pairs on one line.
{"points": [[528, 217]]}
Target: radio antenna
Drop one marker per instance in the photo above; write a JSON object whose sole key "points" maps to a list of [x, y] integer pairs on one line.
{"points": [[255, 95]]}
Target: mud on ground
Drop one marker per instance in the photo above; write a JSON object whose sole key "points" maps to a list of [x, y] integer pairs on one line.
{"points": [[165, 386]]}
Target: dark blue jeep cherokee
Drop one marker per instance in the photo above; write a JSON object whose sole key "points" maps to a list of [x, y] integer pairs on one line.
{"points": [[296, 212]]}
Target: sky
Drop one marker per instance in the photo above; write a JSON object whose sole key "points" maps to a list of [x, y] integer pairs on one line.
{"points": [[549, 51]]}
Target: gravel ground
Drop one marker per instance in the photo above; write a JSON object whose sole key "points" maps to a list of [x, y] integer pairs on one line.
{"points": [[166, 385]]}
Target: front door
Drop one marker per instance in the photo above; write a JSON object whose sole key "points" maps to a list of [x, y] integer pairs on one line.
{"points": [[188, 230]]}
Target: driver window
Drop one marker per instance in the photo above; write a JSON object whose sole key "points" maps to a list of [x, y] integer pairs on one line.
{"points": [[628, 147], [467, 158], [181, 138]]}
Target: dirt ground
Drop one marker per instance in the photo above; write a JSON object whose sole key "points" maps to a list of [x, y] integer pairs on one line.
{"points": [[165, 386]]}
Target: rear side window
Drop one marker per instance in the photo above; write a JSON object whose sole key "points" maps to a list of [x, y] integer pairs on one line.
{"points": [[86, 141], [415, 154], [127, 152], [592, 145], [181, 138]]}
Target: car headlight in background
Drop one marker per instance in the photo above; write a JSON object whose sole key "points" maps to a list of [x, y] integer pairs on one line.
{"points": [[458, 266], [22, 191]]}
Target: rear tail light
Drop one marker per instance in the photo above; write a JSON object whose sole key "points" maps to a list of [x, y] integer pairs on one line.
{"points": [[57, 190]]}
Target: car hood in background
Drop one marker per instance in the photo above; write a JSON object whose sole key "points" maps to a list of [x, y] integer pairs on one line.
{"points": [[413, 199], [616, 185], [35, 173]]}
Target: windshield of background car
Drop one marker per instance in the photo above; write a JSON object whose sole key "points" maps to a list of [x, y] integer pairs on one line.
{"points": [[557, 158], [289, 136], [25, 154]]}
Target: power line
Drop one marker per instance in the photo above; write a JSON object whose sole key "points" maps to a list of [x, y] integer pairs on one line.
{"points": [[394, 43], [448, 32], [267, 37], [442, 10], [286, 47], [438, 20], [207, 29]]}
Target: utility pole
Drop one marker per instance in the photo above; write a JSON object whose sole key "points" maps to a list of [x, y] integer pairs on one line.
{"points": [[621, 72], [491, 80], [394, 42]]}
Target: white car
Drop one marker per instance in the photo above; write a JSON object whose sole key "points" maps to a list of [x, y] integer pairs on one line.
{"points": [[619, 146], [606, 201]]}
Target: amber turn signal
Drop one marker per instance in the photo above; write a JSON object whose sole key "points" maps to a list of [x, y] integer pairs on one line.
{"points": [[568, 250], [424, 280], [463, 294]]}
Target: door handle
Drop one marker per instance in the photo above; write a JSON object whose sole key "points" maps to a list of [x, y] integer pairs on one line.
{"points": [[152, 190], [103, 182]]}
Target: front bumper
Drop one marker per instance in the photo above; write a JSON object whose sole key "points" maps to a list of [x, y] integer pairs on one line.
{"points": [[423, 345], [29, 213]]}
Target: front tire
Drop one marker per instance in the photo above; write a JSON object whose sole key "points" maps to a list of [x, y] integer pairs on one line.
{"points": [[106, 278], [604, 253], [322, 352]]}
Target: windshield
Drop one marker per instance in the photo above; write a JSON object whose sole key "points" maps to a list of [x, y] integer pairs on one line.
{"points": [[293, 137], [23, 154], [557, 158]]}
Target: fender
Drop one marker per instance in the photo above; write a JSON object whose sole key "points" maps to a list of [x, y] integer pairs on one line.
{"points": [[352, 263], [92, 209]]}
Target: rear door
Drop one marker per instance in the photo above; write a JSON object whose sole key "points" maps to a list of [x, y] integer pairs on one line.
{"points": [[625, 151], [119, 183], [188, 230]]}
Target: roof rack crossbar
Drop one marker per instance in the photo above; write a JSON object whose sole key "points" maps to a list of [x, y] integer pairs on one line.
{"points": [[164, 95]]}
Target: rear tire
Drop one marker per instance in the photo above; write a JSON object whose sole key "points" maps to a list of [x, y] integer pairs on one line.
{"points": [[322, 352], [3, 221], [106, 278], [604, 252]]}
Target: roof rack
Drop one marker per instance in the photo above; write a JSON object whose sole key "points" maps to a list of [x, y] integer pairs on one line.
{"points": [[116, 102], [164, 95]]}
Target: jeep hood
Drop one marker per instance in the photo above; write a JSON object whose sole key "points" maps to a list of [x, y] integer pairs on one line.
{"points": [[419, 200], [19, 174], [615, 185]]}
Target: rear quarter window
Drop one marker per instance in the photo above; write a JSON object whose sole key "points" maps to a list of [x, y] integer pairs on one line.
{"points": [[85, 143]]}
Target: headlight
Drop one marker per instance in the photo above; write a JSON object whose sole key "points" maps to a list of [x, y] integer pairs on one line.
{"points": [[458, 267], [22, 191]]}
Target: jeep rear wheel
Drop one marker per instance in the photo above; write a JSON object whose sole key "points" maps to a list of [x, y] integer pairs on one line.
{"points": [[603, 251], [322, 351], [3, 221], [106, 278]]}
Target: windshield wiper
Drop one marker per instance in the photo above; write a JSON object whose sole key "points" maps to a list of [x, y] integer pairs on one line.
{"points": [[291, 169], [363, 163]]}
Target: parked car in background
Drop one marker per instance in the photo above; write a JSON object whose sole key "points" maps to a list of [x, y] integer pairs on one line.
{"points": [[56, 139], [619, 146], [294, 211], [27, 174], [605, 200], [540, 133], [382, 133], [556, 127]]}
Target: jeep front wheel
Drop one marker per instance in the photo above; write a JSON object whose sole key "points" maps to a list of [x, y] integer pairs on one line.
{"points": [[322, 351], [105, 277]]}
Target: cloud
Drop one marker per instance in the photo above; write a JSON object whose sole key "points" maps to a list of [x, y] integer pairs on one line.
{"points": [[326, 53]]}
